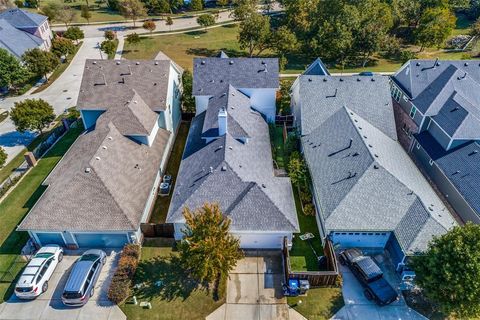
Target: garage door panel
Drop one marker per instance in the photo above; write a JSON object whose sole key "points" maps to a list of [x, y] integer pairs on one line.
{"points": [[50, 238], [360, 239], [101, 240], [261, 241]]}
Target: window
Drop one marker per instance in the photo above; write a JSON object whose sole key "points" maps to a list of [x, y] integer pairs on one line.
{"points": [[413, 111], [430, 162], [405, 98], [396, 93], [418, 145]]}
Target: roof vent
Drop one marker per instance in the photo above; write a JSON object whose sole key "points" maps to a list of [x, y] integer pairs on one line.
{"points": [[263, 62], [473, 152], [466, 64], [156, 63], [87, 170], [231, 148], [341, 79], [373, 79], [110, 138], [375, 166], [418, 64], [211, 169], [231, 62], [358, 79], [224, 168], [135, 101], [309, 79], [94, 62], [104, 147], [212, 81], [203, 62], [324, 79], [263, 185], [97, 158], [137, 63], [118, 63]]}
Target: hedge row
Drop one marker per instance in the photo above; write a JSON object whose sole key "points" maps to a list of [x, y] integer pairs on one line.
{"points": [[120, 287]]}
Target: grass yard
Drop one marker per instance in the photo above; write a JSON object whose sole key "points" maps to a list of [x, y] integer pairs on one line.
{"points": [[16, 205], [177, 298], [59, 70], [302, 257], [160, 209], [279, 152], [319, 304]]}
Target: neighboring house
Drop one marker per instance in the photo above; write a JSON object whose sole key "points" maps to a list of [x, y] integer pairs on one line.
{"points": [[367, 191], [228, 158], [255, 77], [105, 185], [438, 107], [21, 30]]}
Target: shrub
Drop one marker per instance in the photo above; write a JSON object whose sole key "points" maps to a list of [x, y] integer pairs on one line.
{"points": [[406, 55], [19, 3], [306, 197], [120, 289], [127, 265], [132, 250], [109, 35], [309, 209]]}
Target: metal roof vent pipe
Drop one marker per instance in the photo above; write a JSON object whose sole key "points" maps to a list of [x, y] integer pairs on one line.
{"points": [[222, 122]]}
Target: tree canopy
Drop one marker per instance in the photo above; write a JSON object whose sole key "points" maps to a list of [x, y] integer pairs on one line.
{"points": [[434, 27], [149, 25], [208, 250], [12, 72], [3, 157], [206, 20], [62, 47], [40, 62], [74, 33], [32, 114], [449, 271], [132, 9], [108, 46]]}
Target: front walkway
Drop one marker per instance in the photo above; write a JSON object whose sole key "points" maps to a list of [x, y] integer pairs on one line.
{"points": [[357, 306], [254, 290], [49, 305]]}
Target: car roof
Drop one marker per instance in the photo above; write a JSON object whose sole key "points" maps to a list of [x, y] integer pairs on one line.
{"points": [[368, 267], [30, 271], [353, 253], [78, 275]]}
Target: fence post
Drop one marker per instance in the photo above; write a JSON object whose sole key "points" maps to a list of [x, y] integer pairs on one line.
{"points": [[30, 158]]}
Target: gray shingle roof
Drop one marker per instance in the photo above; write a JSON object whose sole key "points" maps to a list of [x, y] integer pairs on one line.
{"points": [[212, 76], [237, 175], [447, 92], [366, 182], [104, 180], [108, 83], [22, 18], [322, 96], [15, 40], [461, 166], [317, 68]]}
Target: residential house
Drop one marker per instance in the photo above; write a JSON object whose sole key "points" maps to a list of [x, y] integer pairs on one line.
{"points": [[105, 185], [437, 103], [228, 158], [367, 191], [21, 31]]}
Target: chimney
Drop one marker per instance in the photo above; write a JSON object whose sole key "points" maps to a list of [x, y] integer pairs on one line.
{"points": [[222, 122]]}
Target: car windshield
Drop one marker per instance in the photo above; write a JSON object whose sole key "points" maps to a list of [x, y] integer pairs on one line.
{"points": [[44, 255], [24, 289], [89, 257], [72, 295]]}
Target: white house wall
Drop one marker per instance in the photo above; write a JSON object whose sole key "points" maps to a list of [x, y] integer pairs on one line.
{"points": [[263, 100], [201, 104]]}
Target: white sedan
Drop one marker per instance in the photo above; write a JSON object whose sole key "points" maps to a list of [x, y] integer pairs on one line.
{"points": [[34, 279]]}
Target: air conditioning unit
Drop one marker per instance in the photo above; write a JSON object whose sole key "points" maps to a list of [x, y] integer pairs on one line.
{"points": [[408, 275], [164, 189]]}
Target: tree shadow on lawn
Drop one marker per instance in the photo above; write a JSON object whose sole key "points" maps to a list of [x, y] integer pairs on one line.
{"points": [[176, 282], [205, 52]]}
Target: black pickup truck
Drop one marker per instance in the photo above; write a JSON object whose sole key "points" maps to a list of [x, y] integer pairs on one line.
{"points": [[370, 276]]}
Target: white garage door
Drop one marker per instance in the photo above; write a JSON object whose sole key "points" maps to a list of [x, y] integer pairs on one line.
{"points": [[261, 241], [360, 239]]}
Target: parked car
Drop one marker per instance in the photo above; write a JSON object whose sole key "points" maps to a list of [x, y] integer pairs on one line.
{"points": [[81, 282], [370, 276], [366, 74], [34, 279]]}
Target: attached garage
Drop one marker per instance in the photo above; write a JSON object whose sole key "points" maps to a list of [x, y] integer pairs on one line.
{"points": [[261, 241], [100, 240], [360, 239], [45, 238]]}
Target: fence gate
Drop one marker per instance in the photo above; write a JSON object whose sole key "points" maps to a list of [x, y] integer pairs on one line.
{"points": [[157, 230]]}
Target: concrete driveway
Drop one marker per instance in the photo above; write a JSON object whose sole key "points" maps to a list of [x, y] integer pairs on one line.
{"points": [[49, 305], [357, 306], [254, 290]]}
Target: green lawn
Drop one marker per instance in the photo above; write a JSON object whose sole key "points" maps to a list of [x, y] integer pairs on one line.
{"points": [[160, 209], [177, 298], [318, 304], [15, 206], [59, 70], [277, 140], [302, 257]]}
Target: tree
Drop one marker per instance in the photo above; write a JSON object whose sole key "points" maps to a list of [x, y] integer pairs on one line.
{"points": [[196, 5], [32, 114], [66, 15], [206, 20], [208, 251], [255, 33], [40, 62], [12, 73], [85, 13], [222, 3], [133, 38], [50, 10], [435, 26], [243, 9], [132, 9], [32, 3], [109, 34], [113, 5], [74, 33], [284, 41], [3, 157], [297, 171], [169, 23], [62, 47], [188, 101], [175, 5], [149, 25], [449, 271], [109, 47]]}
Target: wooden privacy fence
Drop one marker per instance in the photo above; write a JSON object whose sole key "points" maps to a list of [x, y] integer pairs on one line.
{"points": [[157, 230], [315, 278]]}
